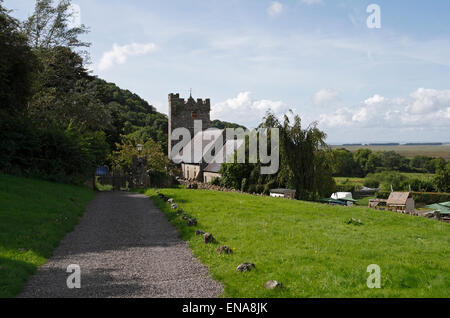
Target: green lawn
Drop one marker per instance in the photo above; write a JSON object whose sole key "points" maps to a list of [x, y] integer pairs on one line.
{"points": [[34, 217], [421, 176], [364, 201], [310, 248]]}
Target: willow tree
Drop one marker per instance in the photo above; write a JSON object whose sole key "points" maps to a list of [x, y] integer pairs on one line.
{"points": [[305, 158]]}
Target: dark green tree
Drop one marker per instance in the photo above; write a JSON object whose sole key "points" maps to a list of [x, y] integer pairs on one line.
{"points": [[73, 100], [442, 179], [16, 66], [344, 164]]}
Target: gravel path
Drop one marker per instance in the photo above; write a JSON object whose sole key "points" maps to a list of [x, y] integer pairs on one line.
{"points": [[125, 247]]}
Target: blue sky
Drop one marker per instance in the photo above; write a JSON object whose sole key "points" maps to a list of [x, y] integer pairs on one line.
{"points": [[317, 57]]}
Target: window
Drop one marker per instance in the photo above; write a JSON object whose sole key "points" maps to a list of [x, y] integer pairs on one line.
{"points": [[194, 115]]}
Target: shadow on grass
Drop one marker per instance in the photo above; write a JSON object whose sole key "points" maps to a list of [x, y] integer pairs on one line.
{"points": [[10, 270]]}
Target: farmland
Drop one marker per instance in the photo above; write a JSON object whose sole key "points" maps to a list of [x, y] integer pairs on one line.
{"points": [[442, 151], [310, 248]]}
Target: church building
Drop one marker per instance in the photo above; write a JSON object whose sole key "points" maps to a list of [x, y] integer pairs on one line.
{"points": [[183, 114]]}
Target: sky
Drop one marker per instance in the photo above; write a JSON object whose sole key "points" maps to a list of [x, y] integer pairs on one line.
{"points": [[318, 58]]}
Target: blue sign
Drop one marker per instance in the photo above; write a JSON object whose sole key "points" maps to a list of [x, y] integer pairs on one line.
{"points": [[101, 171]]}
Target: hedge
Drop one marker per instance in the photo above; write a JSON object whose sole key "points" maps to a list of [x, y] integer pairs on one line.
{"points": [[422, 197]]}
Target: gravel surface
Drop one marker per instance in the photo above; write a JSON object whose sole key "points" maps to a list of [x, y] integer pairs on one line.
{"points": [[125, 247]]}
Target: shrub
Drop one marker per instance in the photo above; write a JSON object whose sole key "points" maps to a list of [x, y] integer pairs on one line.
{"points": [[346, 187], [371, 182], [259, 188], [216, 181], [244, 185], [420, 185], [52, 154]]}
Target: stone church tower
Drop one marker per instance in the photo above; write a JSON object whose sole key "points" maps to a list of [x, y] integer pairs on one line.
{"points": [[183, 113]]}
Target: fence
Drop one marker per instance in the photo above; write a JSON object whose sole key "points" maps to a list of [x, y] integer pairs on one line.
{"points": [[120, 182]]}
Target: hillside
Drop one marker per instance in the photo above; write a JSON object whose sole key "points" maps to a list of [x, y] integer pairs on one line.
{"points": [[34, 217], [131, 114], [311, 249]]}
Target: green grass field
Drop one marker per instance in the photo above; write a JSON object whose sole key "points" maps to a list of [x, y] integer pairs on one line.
{"points": [[310, 248], [359, 182], [408, 151], [34, 217]]}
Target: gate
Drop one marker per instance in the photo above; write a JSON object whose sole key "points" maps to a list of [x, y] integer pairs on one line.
{"points": [[117, 182]]}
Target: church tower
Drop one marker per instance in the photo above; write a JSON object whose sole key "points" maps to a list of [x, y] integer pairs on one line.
{"points": [[182, 114]]}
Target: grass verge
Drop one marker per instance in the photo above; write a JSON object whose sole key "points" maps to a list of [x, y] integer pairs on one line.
{"points": [[310, 248], [34, 217]]}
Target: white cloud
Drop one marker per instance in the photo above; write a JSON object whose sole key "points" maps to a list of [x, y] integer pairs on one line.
{"points": [[275, 9], [425, 108], [245, 110], [120, 54], [74, 20], [311, 2], [324, 97]]}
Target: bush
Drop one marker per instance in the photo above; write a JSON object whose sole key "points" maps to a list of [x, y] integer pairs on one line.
{"points": [[259, 188], [371, 182], [419, 185], [244, 185], [53, 154], [346, 187], [216, 181]]}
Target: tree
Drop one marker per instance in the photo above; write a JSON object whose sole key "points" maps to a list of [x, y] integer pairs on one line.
{"points": [[344, 164], [48, 27], [419, 162], [70, 101], [157, 161], [442, 179], [373, 161], [17, 64], [305, 157], [361, 158], [433, 165], [391, 160]]}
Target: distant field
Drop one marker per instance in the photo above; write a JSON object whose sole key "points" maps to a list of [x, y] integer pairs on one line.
{"points": [[408, 151]]}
